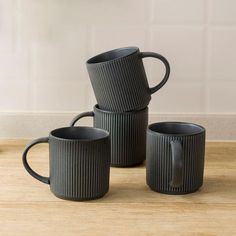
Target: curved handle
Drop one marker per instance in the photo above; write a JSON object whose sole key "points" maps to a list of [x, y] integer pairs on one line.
{"points": [[84, 114], [167, 66], [25, 162], [177, 164]]}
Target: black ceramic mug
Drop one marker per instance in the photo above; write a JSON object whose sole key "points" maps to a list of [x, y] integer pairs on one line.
{"points": [[175, 157], [79, 162], [127, 131], [119, 80]]}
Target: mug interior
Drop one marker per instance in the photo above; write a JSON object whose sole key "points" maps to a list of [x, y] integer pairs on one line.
{"points": [[80, 133], [176, 128], [112, 55]]}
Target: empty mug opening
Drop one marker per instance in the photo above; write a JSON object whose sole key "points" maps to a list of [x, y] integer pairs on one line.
{"points": [[176, 128], [80, 133], [112, 55]]}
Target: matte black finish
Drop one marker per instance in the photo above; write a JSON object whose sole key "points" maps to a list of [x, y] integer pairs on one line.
{"points": [[79, 160], [127, 131], [119, 80], [175, 157]]}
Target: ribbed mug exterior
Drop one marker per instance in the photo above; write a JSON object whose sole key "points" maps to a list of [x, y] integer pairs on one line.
{"points": [[159, 162], [79, 170], [121, 84], [128, 135], [127, 131], [79, 166]]}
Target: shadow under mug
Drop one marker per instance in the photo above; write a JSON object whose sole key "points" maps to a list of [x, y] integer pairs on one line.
{"points": [[175, 157], [127, 131], [119, 80], [79, 162]]}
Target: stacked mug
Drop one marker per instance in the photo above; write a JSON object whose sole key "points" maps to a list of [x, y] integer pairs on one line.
{"points": [[122, 92]]}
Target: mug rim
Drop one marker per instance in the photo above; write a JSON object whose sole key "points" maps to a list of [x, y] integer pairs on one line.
{"points": [[133, 49], [105, 134], [96, 107], [202, 129]]}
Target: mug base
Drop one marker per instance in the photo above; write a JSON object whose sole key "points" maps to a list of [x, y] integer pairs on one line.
{"points": [[126, 165], [75, 199], [175, 193]]}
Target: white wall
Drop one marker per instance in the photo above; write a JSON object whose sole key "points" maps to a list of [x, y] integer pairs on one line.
{"points": [[44, 45]]}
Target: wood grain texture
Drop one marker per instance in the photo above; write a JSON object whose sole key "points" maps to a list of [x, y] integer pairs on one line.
{"points": [[27, 207]]}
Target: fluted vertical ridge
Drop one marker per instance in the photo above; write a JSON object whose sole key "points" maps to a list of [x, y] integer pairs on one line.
{"points": [[159, 162], [79, 170], [128, 135], [121, 84]]}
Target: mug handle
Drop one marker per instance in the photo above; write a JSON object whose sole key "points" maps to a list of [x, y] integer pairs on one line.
{"points": [[84, 114], [177, 164], [43, 179], [167, 66]]}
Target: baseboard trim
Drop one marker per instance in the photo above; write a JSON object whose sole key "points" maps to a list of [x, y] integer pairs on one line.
{"points": [[37, 124]]}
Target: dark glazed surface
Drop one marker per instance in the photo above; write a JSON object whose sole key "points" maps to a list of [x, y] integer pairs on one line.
{"points": [[79, 162], [79, 133], [175, 157], [127, 131], [175, 128], [119, 79], [113, 55]]}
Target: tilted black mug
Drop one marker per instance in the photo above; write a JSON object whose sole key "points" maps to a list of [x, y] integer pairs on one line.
{"points": [[175, 157], [127, 131], [119, 80], [79, 162]]}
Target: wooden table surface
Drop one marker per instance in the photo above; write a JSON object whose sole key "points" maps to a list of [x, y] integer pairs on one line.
{"points": [[27, 207]]}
